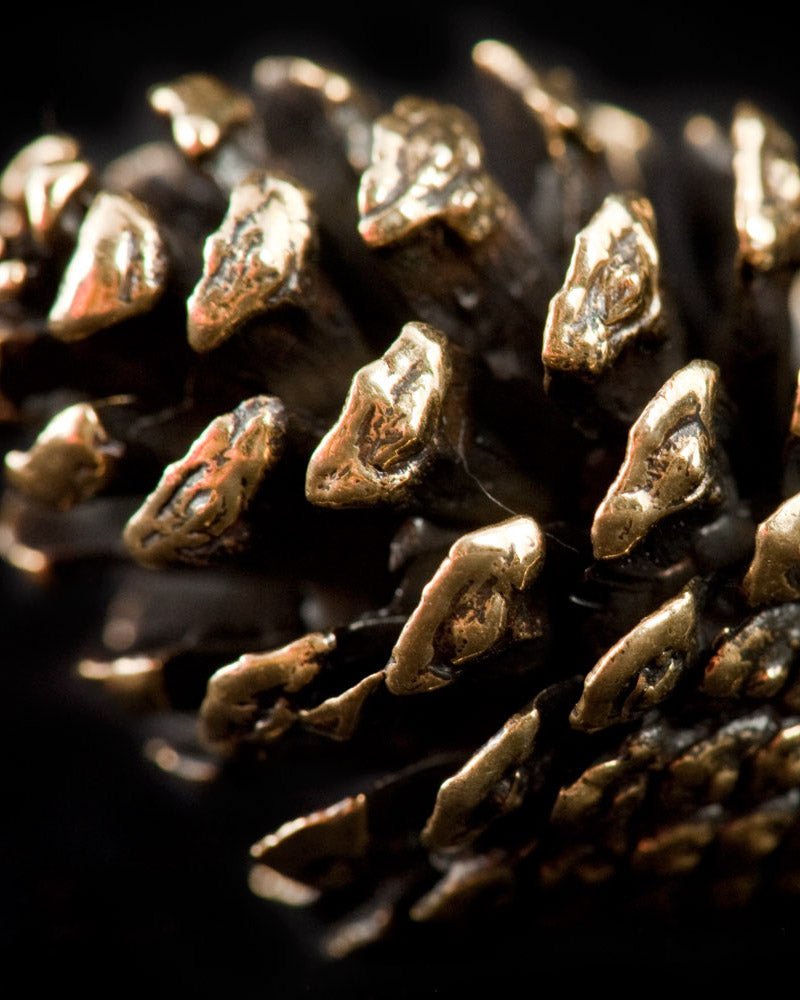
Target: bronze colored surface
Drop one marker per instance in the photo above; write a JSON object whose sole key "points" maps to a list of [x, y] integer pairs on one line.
{"points": [[773, 574], [676, 849], [254, 261], [194, 511], [427, 164], [71, 460], [643, 668], [756, 660], [203, 110], [390, 428], [669, 463], [468, 881], [13, 275], [777, 764], [138, 680], [45, 149], [336, 834], [48, 189], [760, 831], [557, 114], [234, 707], [337, 717], [269, 884], [466, 608], [611, 292], [623, 137], [709, 770], [450, 823], [767, 198], [794, 425], [118, 269], [347, 108]]}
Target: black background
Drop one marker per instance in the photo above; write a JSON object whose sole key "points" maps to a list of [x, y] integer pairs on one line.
{"points": [[118, 875]]}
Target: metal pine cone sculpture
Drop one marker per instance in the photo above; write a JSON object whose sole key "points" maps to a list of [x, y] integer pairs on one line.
{"points": [[450, 490]]}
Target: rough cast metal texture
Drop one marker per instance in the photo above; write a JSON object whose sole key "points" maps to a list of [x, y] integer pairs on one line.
{"points": [[467, 609], [427, 165], [773, 573], [669, 463], [645, 719], [611, 293], [195, 510], [71, 460], [642, 669], [118, 269], [390, 427], [254, 261]]}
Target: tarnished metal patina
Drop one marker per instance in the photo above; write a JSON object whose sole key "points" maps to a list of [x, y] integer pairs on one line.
{"points": [[391, 426], [235, 705], [756, 659], [450, 823], [71, 460], [774, 572], [767, 201], [669, 462], [643, 668], [202, 108], [319, 849], [118, 269], [194, 512], [427, 164], [254, 261], [611, 292], [469, 607]]}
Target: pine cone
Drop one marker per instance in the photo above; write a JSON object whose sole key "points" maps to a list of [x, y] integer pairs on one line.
{"points": [[444, 495]]}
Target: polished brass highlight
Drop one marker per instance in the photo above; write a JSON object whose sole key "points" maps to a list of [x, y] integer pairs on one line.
{"points": [[468, 881], [194, 512], [254, 261], [234, 707], [794, 425], [45, 149], [669, 462], [118, 269], [337, 717], [643, 668], [71, 460], [450, 823], [180, 764], [427, 164], [49, 188], [774, 572], [202, 109], [334, 835], [755, 660], [390, 428], [467, 609], [611, 293], [767, 196]]}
